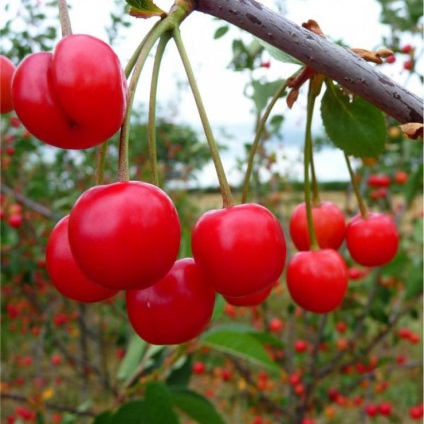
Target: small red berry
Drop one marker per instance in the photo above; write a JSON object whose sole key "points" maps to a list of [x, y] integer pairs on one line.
{"points": [[371, 410], [199, 368], [391, 59], [275, 325], [407, 65], [407, 48], [385, 408], [300, 346]]}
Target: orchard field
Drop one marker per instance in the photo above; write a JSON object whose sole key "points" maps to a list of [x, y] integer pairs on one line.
{"points": [[131, 296]]}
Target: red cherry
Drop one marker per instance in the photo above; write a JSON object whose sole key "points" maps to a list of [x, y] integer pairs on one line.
{"points": [[401, 177], [64, 271], [241, 249], [254, 299], [15, 220], [199, 368], [404, 333], [371, 410], [407, 65], [407, 48], [275, 325], [317, 280], [300, 346], [391, 59], [341, 327], [294, 379], [7, 70], [385, 408], [372, 241], [124, 235], [80, 87], [379, 181], [175, 309], [416, 412], [329, 226]]}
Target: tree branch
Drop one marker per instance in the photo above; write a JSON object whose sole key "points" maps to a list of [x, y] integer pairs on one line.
{"points": [[325, 57]]}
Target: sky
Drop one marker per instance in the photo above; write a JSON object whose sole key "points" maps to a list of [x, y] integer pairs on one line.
{"points": [[356, 23]]}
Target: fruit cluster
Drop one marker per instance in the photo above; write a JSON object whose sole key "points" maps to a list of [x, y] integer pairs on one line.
{"points": [[126, 236]]}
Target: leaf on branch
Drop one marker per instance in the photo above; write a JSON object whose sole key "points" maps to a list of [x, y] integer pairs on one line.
{"points": [[353, 125], [278, 54], [412, 130], [144, 9]]}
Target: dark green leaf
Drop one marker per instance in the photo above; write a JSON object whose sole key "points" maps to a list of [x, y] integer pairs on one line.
{"points": [[195, 406], [103, 418], [221, 31], [131, 413], [181, 376], [353, 125], [159, 408], [414, 285], [219, 307]]}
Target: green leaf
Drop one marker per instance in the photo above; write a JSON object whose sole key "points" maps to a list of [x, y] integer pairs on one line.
{"points": [[144, 8], [219, 307], [132, 358], [181, 376], [240, 344], [262, 92], [353, 125], [279, 54], [195, 406], [221, 31], [103, 418], [159, 408], [132, 412]]}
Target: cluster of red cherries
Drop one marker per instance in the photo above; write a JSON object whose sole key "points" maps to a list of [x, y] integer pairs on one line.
{"points": [[126, 236]]}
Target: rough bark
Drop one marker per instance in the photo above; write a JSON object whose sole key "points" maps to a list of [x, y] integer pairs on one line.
{"points": [[332, 60]]}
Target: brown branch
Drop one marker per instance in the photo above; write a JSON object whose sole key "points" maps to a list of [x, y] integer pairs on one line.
{"points": [[336, 62]]}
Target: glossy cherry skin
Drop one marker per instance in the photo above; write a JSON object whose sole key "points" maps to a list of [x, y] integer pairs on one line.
{"points": [[379, 180], [329, 225], [7, 70], [124, 235], [241, 249], [372, 241], [64, 272], [317, 280], [254, 299], [175, 309], [73, 98]]}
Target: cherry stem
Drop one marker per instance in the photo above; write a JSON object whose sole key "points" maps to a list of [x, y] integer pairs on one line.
{"points": [[316, 201], [163, 26], [65, 21], [361, 203], [151, 129], [101, 160], [257, 140], [307, 163], [227, 197]]}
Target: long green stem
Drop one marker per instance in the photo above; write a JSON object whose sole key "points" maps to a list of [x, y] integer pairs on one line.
{"points": [[164, 26], [257, 140], [361, 203], [101, 160], [227, 197], [151, 130], [316, 201], [65, 21], [307, 162]]}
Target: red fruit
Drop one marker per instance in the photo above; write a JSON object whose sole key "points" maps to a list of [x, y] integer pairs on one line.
{"points": [[241, 249], [317, 280], [15, 220], [56, 359], [407, 65], [329, 226], [226, 374], [300, 346], [379, 193], [404, 333], [124, 235], [385, 408], [254, 299], [299, 389], [275, 325], [80, 87], [175, 309], [199, 368], [294, 379], [230, 310], [308, 421], [391, 59], [401, 359], [379, 180], [372, 241], [414, 338], [416, 412], [356, 273], [341, 327], [333, 394], [371, 410], [401, 177], [7, 70], [64, 272], [407, 48]]}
